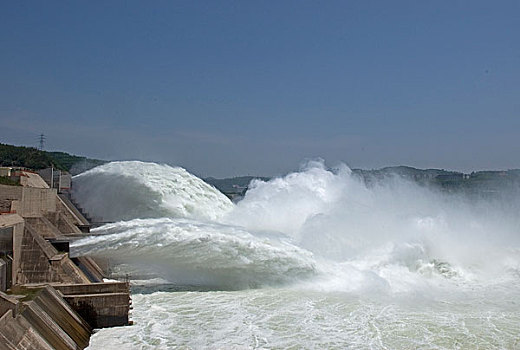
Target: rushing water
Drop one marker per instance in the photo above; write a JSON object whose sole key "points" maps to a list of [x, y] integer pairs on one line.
{"points": [[315, 259]]}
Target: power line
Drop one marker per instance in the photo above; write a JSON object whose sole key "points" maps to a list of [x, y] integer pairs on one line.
{"points": [[42, 142]]}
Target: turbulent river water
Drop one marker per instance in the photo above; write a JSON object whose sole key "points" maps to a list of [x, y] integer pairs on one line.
{"points": [[312, 260]]}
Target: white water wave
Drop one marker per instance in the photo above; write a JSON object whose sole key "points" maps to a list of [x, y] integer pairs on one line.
{"points": [[194, 253], [393, 236], [333, 263], [133, 189]]}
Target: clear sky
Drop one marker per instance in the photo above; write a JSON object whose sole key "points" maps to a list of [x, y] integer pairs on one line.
{"points": [[228, 88]]}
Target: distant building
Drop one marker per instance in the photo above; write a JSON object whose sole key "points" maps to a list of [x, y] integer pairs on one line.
{"points": [[5, 171]]}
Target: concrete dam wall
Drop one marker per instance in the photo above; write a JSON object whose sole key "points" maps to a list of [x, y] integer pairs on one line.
{"points": [[49, 300]]}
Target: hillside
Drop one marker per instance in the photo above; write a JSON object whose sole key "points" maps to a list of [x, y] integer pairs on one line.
{"points": [[480, 183], [233, 187], [32, 158], [28, 157], [75, 164]]}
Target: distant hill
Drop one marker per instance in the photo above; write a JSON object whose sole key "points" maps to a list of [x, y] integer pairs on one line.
{"points": [[75, 164], [28, 157], [235, 186], [423, 176], [32, 158], [488, 181], [480, 183]]}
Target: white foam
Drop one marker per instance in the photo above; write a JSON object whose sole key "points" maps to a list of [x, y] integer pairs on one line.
{"points": [[290, 319], [133, 189], [189, 252], [393, 265], [394, 236]]}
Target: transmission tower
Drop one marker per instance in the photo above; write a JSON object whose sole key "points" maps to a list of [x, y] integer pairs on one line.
{"points": [[42, 142]]}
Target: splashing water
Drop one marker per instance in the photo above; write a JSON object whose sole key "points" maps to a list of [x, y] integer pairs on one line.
{"points": [[335, 263], [127, 190], [208, 254]]}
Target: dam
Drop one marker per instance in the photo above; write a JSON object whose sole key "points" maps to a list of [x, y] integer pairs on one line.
{"points": [[48, 299]]}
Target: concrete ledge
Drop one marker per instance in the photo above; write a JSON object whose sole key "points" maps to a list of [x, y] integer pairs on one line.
{"points": [[44, 321], [8, 302], [52, 303], [47, 327], [102, 309], [92, 288], [90, 268], [17, 333], [99, 304], [44, 227]]}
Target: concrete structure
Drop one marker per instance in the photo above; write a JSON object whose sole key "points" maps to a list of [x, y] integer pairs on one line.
{"points": [[11, 230], [5, 171], [65, 182], [36, 224], [27, 201], [75, 215], [39, 261], [54, 178], [30, 179], [5, 272], [41, 320], [25, 177], [30, 202], [104, 304], [29, 258]]}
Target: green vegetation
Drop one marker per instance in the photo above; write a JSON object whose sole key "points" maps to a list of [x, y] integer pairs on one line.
{"points": [[7, 181], [481, 183], [28, 293], [75, 164], [32, 158], [28, 157]]}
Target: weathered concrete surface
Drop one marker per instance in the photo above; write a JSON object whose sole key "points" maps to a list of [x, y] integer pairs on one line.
{"points": [[31, 202], [102, 310], [56, 178], [92, 288], [40, 262], [8, 194], [44, 227], [62, 221], [90, 268], [62, 313], [28, 201], [78, 217], [67, 218], [30, 179], [5, 171], [100, 304], [9, 220], [16, 333], [7, 303], [36, 202], [51, 319], [104, 304], [46, 321], [56, 321], [49, 217], [3, 275], [12, 226]]}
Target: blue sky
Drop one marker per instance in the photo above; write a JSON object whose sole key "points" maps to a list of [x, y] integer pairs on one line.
{"points": [[255, 87]]}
